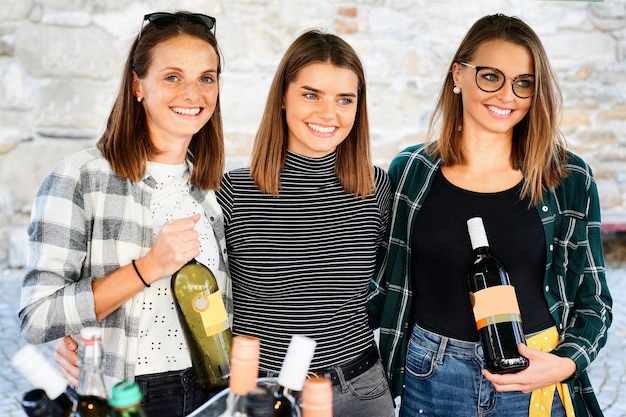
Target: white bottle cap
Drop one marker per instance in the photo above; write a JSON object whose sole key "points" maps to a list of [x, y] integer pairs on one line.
{"points": [[296, 363], [477, 233], [39, 371]]}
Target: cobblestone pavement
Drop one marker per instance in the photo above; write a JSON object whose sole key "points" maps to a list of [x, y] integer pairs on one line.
{"points": [[608, 372]]}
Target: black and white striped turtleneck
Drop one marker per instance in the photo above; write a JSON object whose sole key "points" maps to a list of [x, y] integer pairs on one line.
{"points": [[301, 262]]}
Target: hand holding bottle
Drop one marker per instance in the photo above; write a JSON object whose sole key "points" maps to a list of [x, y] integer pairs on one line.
{"points": [[176, 243], [66, 356], [544, 369]]}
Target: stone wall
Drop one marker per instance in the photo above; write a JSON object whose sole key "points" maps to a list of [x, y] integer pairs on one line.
{"points": [[60, 62]]}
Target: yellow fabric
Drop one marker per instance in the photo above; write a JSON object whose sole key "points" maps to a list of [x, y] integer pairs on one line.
{"points": [[541, 399]]}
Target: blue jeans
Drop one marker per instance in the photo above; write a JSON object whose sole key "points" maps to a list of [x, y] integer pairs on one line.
{"points": [[443, 378], [171, 394]]}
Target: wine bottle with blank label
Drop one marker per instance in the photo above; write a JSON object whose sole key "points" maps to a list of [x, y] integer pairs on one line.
{"points": [[204, 320], [495, 306]]}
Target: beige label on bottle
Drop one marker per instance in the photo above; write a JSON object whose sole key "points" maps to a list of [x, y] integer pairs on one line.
{"points": [[212, 311], [495, 305]]}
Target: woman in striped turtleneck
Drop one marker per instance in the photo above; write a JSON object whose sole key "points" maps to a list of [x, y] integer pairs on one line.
{"points": [[303, 224]]}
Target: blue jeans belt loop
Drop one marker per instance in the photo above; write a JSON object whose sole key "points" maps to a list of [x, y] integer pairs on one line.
{"points": [[442, 349]]}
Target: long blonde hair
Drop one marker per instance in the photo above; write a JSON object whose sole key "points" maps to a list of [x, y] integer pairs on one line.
{"points": [[538, 144], [353, 166]]}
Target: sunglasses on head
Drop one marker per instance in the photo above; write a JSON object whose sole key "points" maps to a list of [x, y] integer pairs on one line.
{"points": [[164, 19]]}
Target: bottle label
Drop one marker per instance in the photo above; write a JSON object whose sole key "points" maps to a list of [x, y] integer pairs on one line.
{"points": [[212, 312], [495, 305]]}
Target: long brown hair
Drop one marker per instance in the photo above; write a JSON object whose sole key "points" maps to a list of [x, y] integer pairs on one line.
{"points": [[353, 166], [538, 144], [125, 142]]}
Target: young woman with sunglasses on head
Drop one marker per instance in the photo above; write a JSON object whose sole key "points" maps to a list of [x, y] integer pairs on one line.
{"points": [[304, 222], [111, 224], [496, 153]]}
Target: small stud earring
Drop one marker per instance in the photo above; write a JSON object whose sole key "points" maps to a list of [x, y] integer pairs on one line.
{"points": [[456, 90], [139, 99], [282, 107]]}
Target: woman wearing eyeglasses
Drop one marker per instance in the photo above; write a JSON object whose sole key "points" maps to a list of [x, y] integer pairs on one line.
{"points": [[111, 224], [495, 152]]}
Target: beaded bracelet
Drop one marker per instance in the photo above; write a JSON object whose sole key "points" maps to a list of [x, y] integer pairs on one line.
{"points": [[139, 275]]}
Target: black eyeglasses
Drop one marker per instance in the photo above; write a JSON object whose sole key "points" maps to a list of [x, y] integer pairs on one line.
{"points": [[164, 19], [491, 80]]}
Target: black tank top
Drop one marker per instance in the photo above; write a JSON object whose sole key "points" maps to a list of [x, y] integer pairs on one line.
{"points": [[441, 254]]}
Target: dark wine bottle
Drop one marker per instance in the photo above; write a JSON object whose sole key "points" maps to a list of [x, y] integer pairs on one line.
{"points": [[205, 324], [292, 375], [51, 397], [317, 398], [260, 402], [91, 390], [36, 403], [495, 307]]}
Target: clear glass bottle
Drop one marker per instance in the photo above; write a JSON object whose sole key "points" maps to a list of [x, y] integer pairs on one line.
{"points": [[495, 307], [50, 396], [317, 398], [292, 375], [91, 390], [244, 373], [125, 400], [205, 324]]}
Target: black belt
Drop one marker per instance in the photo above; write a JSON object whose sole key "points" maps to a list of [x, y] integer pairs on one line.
{"points": [[353, 368]]}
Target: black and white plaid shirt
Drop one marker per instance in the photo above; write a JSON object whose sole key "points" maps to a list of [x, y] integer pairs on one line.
{"points": [[87, 222]]}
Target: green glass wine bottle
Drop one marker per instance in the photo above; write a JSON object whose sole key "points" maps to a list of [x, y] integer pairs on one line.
{"points": [[495, 306], [126, 399], [204, 321]]}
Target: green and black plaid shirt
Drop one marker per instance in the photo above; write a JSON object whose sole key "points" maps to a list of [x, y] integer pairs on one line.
{"points": [[574, 281]]}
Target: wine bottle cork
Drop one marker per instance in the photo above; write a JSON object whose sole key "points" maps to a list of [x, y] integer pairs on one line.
{"points": [[244, 366]]}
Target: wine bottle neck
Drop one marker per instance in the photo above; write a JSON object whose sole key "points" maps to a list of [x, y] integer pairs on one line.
{"points": [[91, 378], [284, 391], [477, 234], [481, 250]]}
